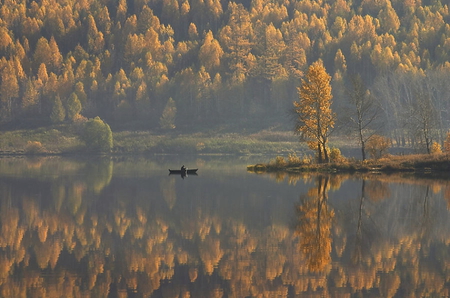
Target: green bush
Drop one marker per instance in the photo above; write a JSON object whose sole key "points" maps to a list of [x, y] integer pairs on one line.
{"points": [[34, 147], [335, 155], [97, 135]]}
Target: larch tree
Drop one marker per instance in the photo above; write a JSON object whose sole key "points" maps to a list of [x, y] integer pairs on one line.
{"points": [[73, 106], [56, 57], [210, 52], [58, 112], [9, 89], [167, 120], [315, 119], [42, 54]]}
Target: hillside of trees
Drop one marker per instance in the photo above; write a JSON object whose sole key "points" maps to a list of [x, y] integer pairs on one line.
{"points": [[192, 63]]}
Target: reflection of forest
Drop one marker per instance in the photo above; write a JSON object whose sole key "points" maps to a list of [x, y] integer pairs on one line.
{"points": [[64, 237]]}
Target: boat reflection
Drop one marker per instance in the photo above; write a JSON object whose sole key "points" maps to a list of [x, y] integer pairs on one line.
{"points": [[184, 172]]}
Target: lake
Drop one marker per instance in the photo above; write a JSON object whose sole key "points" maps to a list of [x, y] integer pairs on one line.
{"points": [[123, 227]]}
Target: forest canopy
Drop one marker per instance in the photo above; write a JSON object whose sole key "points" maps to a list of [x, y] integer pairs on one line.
{"points": [[218, 60]]}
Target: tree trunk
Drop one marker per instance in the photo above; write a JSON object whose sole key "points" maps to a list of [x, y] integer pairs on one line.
{"points": [[319, 152], [325, 153], [363, 150]]}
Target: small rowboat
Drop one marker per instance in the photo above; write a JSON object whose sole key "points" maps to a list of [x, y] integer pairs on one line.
{"points": [[188, 171]]}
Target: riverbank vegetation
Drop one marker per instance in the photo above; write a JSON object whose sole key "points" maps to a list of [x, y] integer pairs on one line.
{"points": [[419, 163], [161, 73], [65, 139]]}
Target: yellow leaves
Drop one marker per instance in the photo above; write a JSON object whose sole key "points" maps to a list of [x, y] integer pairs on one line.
{"points": [[377, 145], [211, 52], [383, 58], [314, 224], [315, 117]]}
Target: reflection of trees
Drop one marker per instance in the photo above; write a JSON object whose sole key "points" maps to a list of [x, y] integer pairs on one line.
{"points": [[357, 255], [314, 223], [168, 192], [426, 219], [99, 174], [366, 235], [138, 246], [377, 190]]}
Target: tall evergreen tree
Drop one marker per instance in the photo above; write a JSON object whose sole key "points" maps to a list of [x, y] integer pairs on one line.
{"points": [[58, 112], [167, 120]]}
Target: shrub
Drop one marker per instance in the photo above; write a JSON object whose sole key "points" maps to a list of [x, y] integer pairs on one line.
{"points": [[307, 159], [377, 146], [279, 162], [200, 146], [293, 159], [435, 148], [335, 155], [34, 147], [97, 135]]}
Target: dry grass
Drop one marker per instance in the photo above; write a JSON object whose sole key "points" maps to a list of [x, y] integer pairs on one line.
{"points": [[436, 163]]}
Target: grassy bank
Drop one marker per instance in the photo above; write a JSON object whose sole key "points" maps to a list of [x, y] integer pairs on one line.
{"points": [[63, 139], [207, 143], [420, 163], [54, 140]]}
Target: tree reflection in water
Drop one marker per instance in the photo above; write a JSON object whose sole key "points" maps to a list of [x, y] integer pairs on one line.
{"points": [[314, 224], [65, 235]]}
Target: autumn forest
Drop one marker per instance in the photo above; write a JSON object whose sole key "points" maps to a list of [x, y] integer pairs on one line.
{"points": [[191, 63]]}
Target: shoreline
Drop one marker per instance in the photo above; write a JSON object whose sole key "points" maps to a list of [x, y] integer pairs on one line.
{"points": [[414, 163]]}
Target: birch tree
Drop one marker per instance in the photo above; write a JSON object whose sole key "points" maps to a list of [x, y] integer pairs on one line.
{"points": [[363, 112]]}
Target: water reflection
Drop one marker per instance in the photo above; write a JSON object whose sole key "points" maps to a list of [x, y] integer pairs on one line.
{"points": [[314, 225], [127, 229]]}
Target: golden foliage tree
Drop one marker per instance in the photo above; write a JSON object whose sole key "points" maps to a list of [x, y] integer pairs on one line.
{"points": [[9, 88], [447, 143], [315, 117], [377, 145], [210, 52]]}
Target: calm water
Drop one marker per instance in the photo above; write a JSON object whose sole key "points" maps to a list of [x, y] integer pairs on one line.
{"points": [[125, 228]]}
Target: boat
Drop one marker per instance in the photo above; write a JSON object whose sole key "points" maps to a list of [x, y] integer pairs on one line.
{"points": [[187, 171]]}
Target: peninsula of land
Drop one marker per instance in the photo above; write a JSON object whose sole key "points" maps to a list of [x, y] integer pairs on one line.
{"points": [[436, 164]]}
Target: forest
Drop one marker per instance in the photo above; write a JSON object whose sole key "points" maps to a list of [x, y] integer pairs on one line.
{"points": [[190, 64]]}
